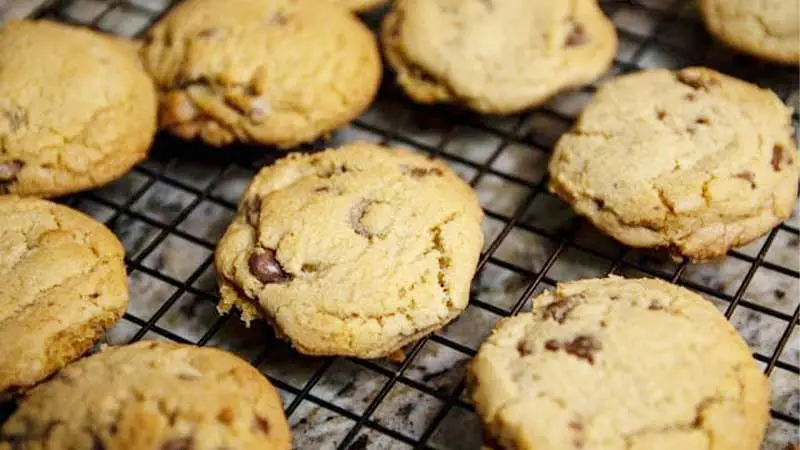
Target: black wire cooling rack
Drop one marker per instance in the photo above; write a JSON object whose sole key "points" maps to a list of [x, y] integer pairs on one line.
{"points": [[170, 210]]}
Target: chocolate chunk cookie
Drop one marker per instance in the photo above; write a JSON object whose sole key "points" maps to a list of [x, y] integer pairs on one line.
{"points": [[77, 109], [151, 396], [693, 160], [62, 285], [355, 251], [496, 56], [272, 72], [619, 364], [767, 29]]}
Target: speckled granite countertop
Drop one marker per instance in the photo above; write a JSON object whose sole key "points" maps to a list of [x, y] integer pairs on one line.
{"points": [[170, 211]]}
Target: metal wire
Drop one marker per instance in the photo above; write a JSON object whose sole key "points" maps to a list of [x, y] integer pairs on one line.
{"points": [[169, 153]]}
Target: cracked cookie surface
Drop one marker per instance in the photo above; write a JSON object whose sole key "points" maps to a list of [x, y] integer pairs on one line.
{"points": [[354, 251], [77, 109], [272, 72], [496, 56], [151, 395], [768, 29], [619, 364], [62, 285], [693, 161]]}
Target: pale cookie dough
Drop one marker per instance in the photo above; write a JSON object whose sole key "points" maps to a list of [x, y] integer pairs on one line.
{"points": [[693, 161], [151, 396], [355, 251], [768, 29], [496, 56], [272, 72], [62, 285], [615, 364], [77, 109]]}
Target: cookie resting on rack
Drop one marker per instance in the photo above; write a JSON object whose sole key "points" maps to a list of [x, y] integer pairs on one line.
{"points": [[77, 109], [619, 364], [62, 286], [693, 161], [355, 251], [151, 396], [496, 56], [270, 72], [767, 29]]}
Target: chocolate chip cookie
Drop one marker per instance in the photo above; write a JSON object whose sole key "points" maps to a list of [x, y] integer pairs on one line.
{"points": [[151, 395], [767, 29], [496, 56], [62, 285], [77, 109], [615, 363], [355, 251], [272, 72], [693, 161]]}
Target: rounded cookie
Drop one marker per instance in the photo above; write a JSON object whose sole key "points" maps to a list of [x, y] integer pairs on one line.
{"points": [[62, 285], [273, 72], [496, 56], [355, 251], [77, 109], [151, 395], [614, 363], [768, 29], [694, 161]]}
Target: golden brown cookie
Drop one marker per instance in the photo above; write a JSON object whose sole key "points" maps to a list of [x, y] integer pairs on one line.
{"points": [[77, 110], [619, 364], [151, 395], [496, 56], [272, 72], [693, 161], [354, 251], [62, 286]]}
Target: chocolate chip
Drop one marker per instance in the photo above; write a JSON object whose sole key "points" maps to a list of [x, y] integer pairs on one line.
{"points": [[266, 268], [356, 213], [661, 114], [261, 424], [524, 348], [696, 80], [10, 169], [577, 35], [702, 121], [747, 176], [559, 310], [178, 444], [777, 157], [582, 347]]}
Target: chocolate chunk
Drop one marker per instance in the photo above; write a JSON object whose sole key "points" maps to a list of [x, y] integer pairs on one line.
{"points": [[661, 114], [356, 213], [582, 347], [747, 176], [777, 157], [266, 268], [559, 310], [577, 35], [178, 444], [10, 169], [524, 349], [702, 121], [261, 424], [695, 80]]}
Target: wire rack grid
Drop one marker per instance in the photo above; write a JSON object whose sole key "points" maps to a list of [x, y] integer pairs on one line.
{"points": [[170, 210]]}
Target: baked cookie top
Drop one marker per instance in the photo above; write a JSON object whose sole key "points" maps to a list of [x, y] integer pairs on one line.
{"points": [[496, 56], [62, 285], [693, 160], [273, 72], [77, 109], [151, 395], [354, 251], [615, 363], [768, 29]]}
